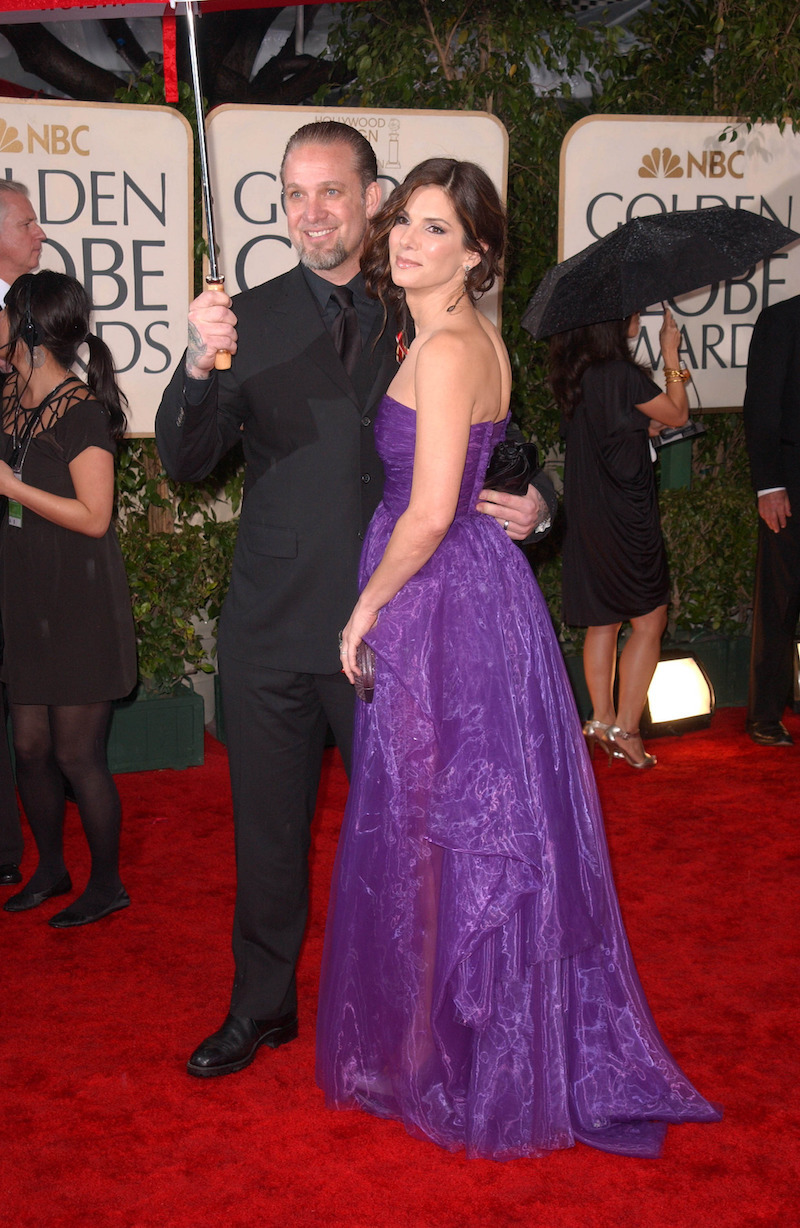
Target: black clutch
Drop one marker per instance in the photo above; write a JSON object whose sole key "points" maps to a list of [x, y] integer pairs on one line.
{"points": [[511, 467]]}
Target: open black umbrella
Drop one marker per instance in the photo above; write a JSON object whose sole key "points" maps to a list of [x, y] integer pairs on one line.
{"points": [[650, 259]]}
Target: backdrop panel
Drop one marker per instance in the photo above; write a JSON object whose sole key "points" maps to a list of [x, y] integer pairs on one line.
{"points": [[112, 186], [615, 167]]}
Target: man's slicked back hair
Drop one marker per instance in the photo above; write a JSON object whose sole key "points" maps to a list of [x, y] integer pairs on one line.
{"points": [[332, 132]]}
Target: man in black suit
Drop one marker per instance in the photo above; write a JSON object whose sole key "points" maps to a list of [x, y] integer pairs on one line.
{"points": [[772, 429], [11, 842], [309, 369], [21, 239]]}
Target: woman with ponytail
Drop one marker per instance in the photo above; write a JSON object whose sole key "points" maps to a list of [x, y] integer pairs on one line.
{"points": [[70, 646]]}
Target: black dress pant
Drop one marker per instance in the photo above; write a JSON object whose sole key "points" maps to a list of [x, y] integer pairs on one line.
{"points": [[10, 829], [776, 608], [11, 845], [275, 726]]}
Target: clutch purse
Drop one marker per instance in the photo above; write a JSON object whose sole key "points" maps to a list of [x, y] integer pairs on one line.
{"points": [[365, 681], [511, 467]]}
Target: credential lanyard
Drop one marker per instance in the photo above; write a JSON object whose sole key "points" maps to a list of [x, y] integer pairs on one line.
{"points": [[19, 451]]}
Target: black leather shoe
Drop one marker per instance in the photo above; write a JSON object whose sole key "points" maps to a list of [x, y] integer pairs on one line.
{"points": [[32, 899], [74, 915], [773, 733], [9, 873], [236, 1043]]}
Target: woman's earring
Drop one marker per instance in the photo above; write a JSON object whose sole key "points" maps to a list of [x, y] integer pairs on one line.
{"points": [[37, 356], [453, 306]]}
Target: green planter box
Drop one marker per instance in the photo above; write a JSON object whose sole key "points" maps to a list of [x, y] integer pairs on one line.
{"points": [[150, 731], [219, 715], [727, 663]]}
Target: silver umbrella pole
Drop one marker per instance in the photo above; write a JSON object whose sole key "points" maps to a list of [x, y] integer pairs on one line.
{"points": [[214, 278]]}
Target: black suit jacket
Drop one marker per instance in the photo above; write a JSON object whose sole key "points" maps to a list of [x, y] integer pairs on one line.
{"points": [[772, 399], [313, 477], [312, 480]]}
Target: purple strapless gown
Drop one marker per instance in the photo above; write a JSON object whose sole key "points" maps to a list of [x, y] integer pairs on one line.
{"points": [[477, 981]]}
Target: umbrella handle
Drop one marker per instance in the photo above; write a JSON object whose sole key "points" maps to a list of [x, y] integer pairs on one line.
{"points": [[222, 362]]}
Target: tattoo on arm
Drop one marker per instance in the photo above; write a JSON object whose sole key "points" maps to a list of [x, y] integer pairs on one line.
{"points": [[196, 348]]}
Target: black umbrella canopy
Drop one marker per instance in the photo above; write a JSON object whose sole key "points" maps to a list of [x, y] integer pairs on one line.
{"points": [[650, 259]]}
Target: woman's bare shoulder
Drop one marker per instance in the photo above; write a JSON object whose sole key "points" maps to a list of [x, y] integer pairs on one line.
{"points": [[447, 348], [498, 344]]}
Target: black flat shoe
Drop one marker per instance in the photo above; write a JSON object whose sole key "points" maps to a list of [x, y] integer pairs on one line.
{"points": [[9, 873], [24, 900], [74, 915], [769, 734], [236, 1043]]}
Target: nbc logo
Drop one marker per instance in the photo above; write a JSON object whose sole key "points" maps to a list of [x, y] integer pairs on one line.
{"points": [[661, 162], [9, 139], [711, 164]]}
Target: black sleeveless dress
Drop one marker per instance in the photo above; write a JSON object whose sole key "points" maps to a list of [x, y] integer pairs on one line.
{"points": [[66, 608], [615, 563]]}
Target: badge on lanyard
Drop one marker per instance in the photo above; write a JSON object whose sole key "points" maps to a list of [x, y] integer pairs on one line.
{"points": [[15, 507]]}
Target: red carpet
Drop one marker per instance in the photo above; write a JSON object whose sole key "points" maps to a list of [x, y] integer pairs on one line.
{"points": [[101, 1127]]}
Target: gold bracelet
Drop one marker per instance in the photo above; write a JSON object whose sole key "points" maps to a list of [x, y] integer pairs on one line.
{"points": [[673, 376]]}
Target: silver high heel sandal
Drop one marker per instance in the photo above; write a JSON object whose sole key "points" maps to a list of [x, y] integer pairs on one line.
{"points": [[619, 737], [596, 734]]}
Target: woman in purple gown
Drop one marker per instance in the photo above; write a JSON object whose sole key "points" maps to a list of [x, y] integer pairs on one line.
{"points": [[477, 982]]}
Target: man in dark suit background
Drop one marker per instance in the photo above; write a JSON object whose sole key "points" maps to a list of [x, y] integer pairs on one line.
{"points": [[21, 239], [772, 429], [310, 366]]}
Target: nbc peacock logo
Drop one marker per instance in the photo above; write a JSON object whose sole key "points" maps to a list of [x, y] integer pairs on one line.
{"points": [[9, 139], [661, 164]]}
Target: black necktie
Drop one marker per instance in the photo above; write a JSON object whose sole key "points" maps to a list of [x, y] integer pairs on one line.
{"points": [[345, 331]]}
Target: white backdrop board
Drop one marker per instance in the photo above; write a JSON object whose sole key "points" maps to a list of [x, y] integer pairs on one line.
{"points": [[246, 145], [615, 167], [112, 188]]}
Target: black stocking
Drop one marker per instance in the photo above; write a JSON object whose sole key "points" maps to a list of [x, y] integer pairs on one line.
{"points": [[41, 788], [51, 743]]}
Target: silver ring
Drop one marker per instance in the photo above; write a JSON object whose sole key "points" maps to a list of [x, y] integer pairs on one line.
{"points": [[505, 526]]}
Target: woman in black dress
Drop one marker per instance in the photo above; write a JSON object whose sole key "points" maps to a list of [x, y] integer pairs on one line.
{"points": [[615, 565], [70, 646]]}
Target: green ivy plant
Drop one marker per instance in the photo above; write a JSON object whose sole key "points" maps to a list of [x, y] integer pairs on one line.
{"points": [[178, 557], [175, 579], [708, 57]]}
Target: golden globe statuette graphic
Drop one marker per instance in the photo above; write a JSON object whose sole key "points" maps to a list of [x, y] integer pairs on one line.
{"points": [[392, 162]]}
